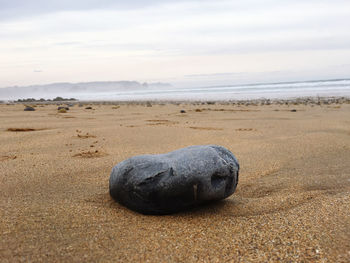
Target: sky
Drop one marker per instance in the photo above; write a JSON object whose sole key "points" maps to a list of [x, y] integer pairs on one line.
{"points": [[187, 43]]}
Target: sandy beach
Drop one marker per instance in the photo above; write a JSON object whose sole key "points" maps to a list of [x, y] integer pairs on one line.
{"points": [[292, 202]]}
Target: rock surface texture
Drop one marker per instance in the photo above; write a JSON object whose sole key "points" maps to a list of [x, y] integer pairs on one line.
{"points": [[171, 182]]}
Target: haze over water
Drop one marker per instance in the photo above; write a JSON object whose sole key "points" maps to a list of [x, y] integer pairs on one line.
{"points": [[134, 91], [322, 88]]}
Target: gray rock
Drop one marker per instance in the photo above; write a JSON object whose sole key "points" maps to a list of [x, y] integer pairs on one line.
{"points": [[63, 107], [29, 108], [171, 182]]}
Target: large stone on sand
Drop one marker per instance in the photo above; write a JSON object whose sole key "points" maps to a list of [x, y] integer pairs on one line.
{"points": [[171, 182]]}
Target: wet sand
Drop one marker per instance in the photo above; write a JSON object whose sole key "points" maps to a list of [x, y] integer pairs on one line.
{"points": [[292, 202]]}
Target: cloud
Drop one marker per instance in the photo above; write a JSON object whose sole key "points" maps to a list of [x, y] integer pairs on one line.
{"points": [[14, 9], [17, 9], [119, 39]]}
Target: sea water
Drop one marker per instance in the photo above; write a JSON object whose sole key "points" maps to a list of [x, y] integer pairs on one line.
{"points": [[324, 88]]}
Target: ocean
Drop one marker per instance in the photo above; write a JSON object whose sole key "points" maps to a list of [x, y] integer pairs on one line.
{"points": [[324, 88]]}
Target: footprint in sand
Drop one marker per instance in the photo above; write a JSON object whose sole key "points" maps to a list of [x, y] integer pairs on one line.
{"points": [[246, 129], [7, 157], [90, 154], [206, 128], [161, 122], [84, 136]]}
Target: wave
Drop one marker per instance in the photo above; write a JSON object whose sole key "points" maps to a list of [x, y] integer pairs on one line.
{"points": [[339, 87]]}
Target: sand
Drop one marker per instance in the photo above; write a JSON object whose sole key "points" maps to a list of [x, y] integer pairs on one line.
{"points": [[292, 202]]}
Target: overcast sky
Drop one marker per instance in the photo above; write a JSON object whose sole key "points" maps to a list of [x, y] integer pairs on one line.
{"points": [[183, 42]]}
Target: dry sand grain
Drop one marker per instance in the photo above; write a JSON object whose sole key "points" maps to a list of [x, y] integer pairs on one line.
{"points": [[292, 203]]}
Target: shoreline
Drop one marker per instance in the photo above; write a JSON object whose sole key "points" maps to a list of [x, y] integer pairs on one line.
{"points": [[312, 100]]}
